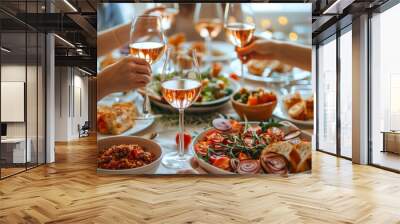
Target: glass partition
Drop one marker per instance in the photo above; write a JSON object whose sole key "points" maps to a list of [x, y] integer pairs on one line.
{"points": [[346, 94], [22, 90], [326, 105]]}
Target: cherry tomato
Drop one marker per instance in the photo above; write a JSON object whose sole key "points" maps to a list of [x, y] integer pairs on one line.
{"points": [[252, 101], [187, 138], [222, 162], [234, 76]]}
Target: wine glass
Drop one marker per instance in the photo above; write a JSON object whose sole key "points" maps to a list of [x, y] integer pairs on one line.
{"points": [[147, 41], [180, 87], [239, 27], [168, 14], [208, 19]]}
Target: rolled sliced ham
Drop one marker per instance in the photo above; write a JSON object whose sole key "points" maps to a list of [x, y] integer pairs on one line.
{"points": [[274, 163]]}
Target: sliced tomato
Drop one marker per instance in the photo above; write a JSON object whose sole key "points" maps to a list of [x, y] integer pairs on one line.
{"points": [[222, 162], [201, 148], [212, 159]]}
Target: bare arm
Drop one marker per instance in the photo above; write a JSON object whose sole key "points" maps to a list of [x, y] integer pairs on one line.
{"points": [[113, 38], [289, 53], [295, 55]]}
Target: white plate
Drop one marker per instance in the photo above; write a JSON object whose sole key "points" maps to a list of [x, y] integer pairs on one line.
{"points": [[276, 78], [281, 112], [140, 125], [227, 48]]}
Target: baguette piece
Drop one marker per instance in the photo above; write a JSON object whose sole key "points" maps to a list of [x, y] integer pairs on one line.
{"points": [[298, 155], [298, 111]]}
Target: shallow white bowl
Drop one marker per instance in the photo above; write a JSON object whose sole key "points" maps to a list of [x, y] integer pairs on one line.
{"points": [[148, 145]]}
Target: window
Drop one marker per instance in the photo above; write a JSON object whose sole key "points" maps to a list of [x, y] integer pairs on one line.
{"points": [[326, 105], [385, 89], [346, 94]]}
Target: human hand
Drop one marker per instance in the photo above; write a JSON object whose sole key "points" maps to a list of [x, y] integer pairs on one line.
{"points": [[260, 49], [126, 74]]}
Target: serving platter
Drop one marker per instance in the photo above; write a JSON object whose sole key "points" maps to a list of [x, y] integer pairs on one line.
{"points": [[140, 125], [275, 78], [215, 170], [227, 49]]}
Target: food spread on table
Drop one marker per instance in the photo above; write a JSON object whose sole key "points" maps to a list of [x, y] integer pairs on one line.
{"points": [[124, 156], [298, 107], [116, 118], [266, 147]]}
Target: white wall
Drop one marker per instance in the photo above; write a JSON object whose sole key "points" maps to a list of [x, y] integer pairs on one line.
{"points": [[71, 94]]}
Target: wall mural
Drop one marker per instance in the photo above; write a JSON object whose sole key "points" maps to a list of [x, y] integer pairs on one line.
{"points": [[205, 88]]}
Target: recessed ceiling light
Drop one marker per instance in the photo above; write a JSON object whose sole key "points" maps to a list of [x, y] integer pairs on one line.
{"points": [[70, 5], [64, 40], [5, 50], [84, 71]]}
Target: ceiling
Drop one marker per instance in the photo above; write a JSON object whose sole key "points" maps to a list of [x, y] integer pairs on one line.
{"points": [[75, 21], [72, 20]]}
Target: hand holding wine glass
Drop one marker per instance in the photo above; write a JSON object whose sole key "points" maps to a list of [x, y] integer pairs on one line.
{"points": [[239, 26], [180, 87], [147, 42]]}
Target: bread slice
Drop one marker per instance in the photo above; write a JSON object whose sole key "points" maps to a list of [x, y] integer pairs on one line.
{"points": [[298, 111], [304, 150], [298, 155]]}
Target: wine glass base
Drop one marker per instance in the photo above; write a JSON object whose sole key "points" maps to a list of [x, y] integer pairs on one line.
{"points": [[174, 161]]}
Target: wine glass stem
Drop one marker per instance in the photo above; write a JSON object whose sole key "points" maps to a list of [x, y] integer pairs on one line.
{"points": [[146, 103], [181, 151], [208, 47], [241, 74]]}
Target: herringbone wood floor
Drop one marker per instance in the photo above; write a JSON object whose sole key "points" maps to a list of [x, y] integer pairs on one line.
{"points": [[70, 191]]}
